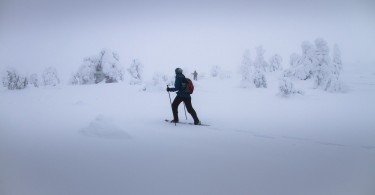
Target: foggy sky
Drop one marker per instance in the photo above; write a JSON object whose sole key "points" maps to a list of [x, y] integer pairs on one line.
{"points": [[165, 34]]}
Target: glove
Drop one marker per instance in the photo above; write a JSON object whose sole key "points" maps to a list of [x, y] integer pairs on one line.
{"points": [[169, 89]]}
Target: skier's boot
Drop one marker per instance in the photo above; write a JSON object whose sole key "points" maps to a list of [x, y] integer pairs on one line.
{"points": [[174, 121], [197, 123]]}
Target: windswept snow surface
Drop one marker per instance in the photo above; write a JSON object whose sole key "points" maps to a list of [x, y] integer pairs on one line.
{"points": [[111, 139]]}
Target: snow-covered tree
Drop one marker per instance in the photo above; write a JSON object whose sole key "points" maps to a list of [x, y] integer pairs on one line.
{"points": [[275, 63], [333, 81], [215, 71], [75, 79], [50, 77], [301, 72], [158, 82], [337, 61], [253, 73], [259, 79], [12, 80], [308, 60], [103, 67], [302, 66], [111, 68], [286, 87], [288, 73], [335, 84], [294, 60], [136, 70], [316, 63], [245, 68], [322, 69], [87, 73], [34, 80], [259, 62], [162, 79]]}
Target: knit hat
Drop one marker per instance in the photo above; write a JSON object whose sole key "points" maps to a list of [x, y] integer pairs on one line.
{"points": [[178, 71]]}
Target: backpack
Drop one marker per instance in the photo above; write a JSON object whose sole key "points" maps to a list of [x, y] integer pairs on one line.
{"points": [[187, 85]]}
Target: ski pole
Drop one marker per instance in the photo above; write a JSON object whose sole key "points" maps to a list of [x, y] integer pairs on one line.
{"points": [[185, 110], [170, 100]]}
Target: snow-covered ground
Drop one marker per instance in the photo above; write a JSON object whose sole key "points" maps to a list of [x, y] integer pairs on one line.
{"points": [[112, 139]]}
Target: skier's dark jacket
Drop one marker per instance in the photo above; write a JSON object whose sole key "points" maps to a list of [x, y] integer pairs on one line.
{"points": [[178, 85]]}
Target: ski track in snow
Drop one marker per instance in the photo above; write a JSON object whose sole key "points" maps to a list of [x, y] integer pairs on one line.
{"points": [[289, 138], [299, 139]]}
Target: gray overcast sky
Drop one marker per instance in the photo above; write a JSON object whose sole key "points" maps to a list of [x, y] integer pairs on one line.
{"points": [[164, 34]]}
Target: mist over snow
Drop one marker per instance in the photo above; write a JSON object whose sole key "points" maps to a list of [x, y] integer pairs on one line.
{"points": [[165, 34], [284, 93]]}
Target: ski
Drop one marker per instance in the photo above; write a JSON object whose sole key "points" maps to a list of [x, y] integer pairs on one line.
{"points": [[185, 123]]}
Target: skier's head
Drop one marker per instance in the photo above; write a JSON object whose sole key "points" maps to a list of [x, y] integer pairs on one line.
{"points": [[178, 71]]}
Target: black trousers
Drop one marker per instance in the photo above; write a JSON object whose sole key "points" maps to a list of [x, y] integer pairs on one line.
{"points": [[189, 107]]}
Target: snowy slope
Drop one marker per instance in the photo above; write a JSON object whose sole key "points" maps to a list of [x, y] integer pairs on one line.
{"points": [[112, 139]]}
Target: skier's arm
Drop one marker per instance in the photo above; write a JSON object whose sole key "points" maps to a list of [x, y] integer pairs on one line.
{"points": [[177, 84]]}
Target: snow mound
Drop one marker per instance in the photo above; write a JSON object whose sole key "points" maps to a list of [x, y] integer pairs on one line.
{"points": [[103, 127]]}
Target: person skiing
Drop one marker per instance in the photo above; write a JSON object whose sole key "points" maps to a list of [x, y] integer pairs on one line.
{"points": [[182, 96], [195, 74]]}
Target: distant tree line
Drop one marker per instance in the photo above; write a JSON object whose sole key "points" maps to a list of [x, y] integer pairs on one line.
{"points": [[314, 63], [12, 80], [253, 71], [101, 68]]}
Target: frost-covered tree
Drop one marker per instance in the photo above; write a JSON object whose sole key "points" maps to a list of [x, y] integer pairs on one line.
{"points": [[50, 77], [158, 82], [333, 81], [245, 68], [252, 73], [308, 60], [275, 63], [34, 80], [75, 79], [162, 80], [337, 61], [322, 69], [286, 87], [335, 84], [215, 71], [303, 66], [111, 68], [294, 60], [136, 70], [102, 67], [315, 63], [259, 79], [12, 80], [87, 74], [259, 62]]}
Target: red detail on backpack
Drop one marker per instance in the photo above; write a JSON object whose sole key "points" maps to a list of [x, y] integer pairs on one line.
{"points": [[190, 86]]}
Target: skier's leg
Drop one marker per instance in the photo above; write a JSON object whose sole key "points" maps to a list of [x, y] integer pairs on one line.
{"points": [[190, 109], [177, 100]]}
